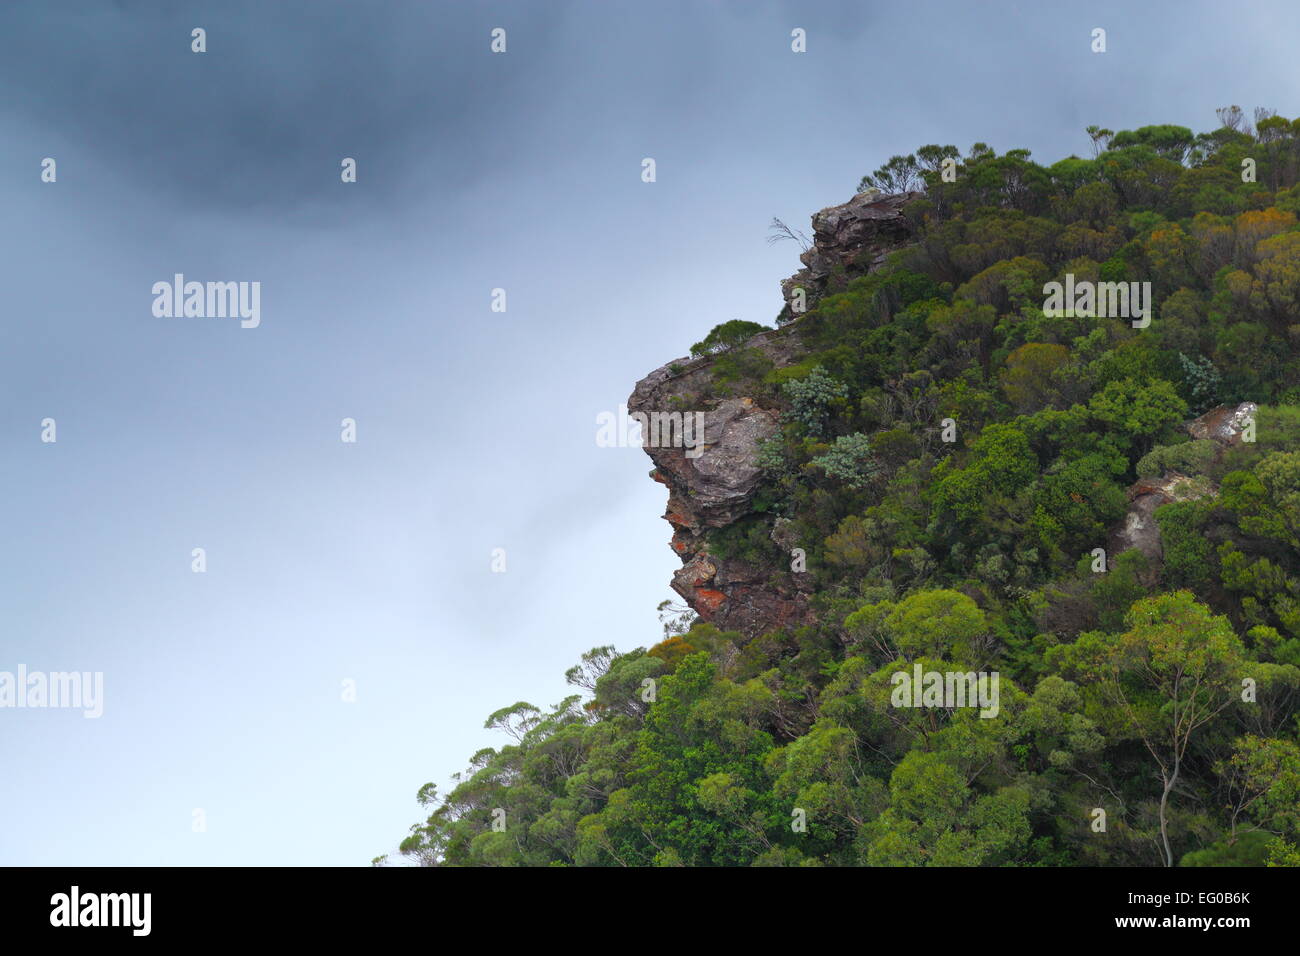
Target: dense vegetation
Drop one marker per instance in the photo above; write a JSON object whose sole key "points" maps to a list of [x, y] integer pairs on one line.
{"points": [[1127, 691]]}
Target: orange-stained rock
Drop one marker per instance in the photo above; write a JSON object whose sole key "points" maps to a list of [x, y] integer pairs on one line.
{"points": [[707, 602], [711, 479]]}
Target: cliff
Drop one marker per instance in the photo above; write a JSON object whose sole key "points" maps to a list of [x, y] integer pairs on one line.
{"points": [[715, 487]]}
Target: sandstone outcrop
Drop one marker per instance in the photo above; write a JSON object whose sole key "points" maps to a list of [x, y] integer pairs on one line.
{"points": [[1140, 531], [716, 487], [713, 489], [850, 239], [1224, 425]]}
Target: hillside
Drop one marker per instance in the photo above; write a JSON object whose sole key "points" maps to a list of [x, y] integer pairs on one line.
{"points": [[1038, 426]]}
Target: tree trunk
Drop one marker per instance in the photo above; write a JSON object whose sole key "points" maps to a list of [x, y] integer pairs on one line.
{"points": [[1164, 823]]}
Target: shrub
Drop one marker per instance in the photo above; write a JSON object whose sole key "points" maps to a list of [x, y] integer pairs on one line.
{"points": [[727, 336], [850, 461], [1188, 458], [811, 398]]}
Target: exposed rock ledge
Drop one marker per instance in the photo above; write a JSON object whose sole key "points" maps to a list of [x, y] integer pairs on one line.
{"points": [[849, 240], [1139, 529], [712, 490], [716, 488]]}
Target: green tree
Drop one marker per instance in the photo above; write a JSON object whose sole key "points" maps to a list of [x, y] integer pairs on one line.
{"points": [[727, 336], [1172, 672]]}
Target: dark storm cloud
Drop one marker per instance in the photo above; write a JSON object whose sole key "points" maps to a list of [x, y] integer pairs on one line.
{"points": [[284, 91]]}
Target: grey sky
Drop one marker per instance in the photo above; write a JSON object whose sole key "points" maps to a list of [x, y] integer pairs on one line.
{"points": [[370, 561]]}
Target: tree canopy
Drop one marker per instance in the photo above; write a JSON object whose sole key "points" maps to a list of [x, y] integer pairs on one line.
{"points": [[955, 460]]}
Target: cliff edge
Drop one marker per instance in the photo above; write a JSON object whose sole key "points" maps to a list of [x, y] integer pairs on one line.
{"points": [[712, 485]]}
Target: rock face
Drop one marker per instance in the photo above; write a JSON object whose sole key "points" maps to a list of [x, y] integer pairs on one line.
{"points": [[712, 489], [715, 488], [1139, 530], [1224, 425], [848, 240]]}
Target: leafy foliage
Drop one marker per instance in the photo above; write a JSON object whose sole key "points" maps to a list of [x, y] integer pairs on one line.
{"points": [[1163, 690], [727, 336]]}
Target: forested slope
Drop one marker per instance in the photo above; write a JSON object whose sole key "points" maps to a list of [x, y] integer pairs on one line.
{"points": [[934, 460]]}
